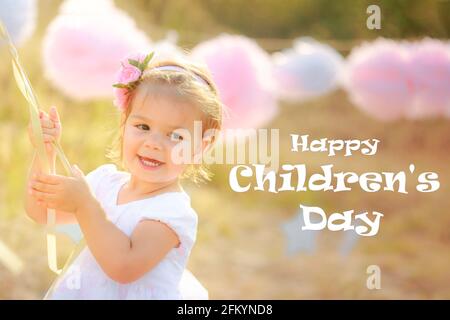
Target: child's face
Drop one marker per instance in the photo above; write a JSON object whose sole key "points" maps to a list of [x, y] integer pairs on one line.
{"points": [[152, 130]]}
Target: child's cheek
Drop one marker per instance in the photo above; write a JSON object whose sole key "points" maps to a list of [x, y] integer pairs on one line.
{"points": [[132, 137], [181, 153], [175, 158]]}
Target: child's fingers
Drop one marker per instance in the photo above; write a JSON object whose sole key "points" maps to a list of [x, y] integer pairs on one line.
{"points": [[47, 178], [47, 123], [50, 131], [46, 204], [43, 115], [54, 116], [42, 187], [43, 196]]}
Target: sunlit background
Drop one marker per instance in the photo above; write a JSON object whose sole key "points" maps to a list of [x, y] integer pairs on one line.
{"points": [[304, 67]]}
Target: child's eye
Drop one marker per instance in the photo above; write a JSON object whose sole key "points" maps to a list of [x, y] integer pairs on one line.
{"points": [[142, 127], [176, 137]]}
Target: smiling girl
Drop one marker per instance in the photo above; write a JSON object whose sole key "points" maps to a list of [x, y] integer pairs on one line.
{"points": [[138, 223]]}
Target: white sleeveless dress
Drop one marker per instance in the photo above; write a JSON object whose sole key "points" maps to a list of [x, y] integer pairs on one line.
{"points": [[84, 278]]}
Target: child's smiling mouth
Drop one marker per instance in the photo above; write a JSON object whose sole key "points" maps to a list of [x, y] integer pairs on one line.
{"points": [[150, 163]]}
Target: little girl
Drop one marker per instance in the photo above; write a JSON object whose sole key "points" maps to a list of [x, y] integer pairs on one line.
{"points": [[138, 224]]}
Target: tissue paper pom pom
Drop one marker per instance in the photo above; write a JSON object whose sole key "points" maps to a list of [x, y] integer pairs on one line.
{"points": [[392, 80], [307, 70], [84, 45], [377, 79], [429, 67], [242, 72], [19, 17]]}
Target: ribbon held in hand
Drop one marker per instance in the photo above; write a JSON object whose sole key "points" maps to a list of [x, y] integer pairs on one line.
{"points": [[27, 91]]}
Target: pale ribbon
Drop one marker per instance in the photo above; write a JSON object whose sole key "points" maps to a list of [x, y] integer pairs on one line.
{"points": [[27, 91]]}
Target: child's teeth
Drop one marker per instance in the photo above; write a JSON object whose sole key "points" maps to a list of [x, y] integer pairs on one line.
{"points": [[149, 163]]}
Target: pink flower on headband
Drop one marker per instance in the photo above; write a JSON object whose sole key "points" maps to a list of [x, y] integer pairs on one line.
{"points": [[128, 74], [128, 78]]}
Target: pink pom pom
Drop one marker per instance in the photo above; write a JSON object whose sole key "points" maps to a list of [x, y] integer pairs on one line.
{"points": [[391, 80], [377, 79], [243, 74], [429, 68], [85, 43]]}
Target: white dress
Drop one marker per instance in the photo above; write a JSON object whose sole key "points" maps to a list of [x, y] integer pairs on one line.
{"points": [[84, 279]]}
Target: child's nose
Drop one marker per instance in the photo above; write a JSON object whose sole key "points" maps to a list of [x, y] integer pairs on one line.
{"points": [[154, 141]]}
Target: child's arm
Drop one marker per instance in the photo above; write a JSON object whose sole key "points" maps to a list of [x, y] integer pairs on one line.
{"points": [[51, 129], [35, 209], [124, 259]]}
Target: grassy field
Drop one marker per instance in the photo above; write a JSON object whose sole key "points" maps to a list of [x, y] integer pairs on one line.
{"points": [[240, 252]]}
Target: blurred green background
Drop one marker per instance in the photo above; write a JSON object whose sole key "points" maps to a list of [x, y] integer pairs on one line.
{"points": [[240, 251]]}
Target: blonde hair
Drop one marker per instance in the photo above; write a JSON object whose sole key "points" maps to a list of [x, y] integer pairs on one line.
{"points": [[187, 86]]}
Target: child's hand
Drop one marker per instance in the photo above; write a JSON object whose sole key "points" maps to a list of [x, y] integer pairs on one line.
{"points": [[62, 193], [51, 129]]}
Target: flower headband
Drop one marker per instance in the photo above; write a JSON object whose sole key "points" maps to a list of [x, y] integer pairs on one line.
{"points": [[131, 73]]}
